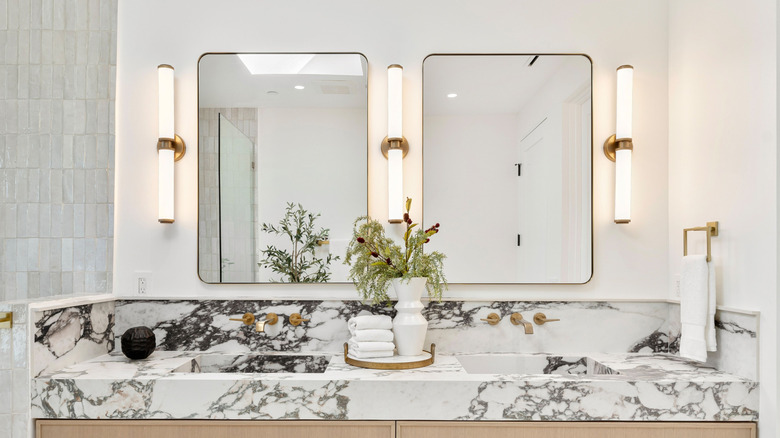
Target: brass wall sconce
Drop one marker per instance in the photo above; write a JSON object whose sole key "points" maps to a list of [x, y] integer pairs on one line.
{"points": [[619, 147], [170, 147], [394, 146]]}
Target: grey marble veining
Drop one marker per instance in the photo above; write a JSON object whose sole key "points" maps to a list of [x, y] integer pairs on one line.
{"points": [[454, 326], [70, 335], [737, 338], [644, 388]]}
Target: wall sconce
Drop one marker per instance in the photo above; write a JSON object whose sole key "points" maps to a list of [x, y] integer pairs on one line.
{"points": [[394, 146], [170, 147], [619, 147]]}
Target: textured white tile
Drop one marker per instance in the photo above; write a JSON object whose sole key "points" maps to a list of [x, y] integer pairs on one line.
{"points": [[21, 390], [6, 426], [22, 426], [6, 398]]}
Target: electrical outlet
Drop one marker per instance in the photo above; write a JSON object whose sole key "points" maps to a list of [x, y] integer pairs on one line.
{"points": [[143, 282]]}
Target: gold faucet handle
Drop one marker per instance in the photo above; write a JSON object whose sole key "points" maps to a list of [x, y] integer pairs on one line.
{"points": [[492, 319], [271, 318], [516, 318], [540, 318], [296, 319], [247, 319]]}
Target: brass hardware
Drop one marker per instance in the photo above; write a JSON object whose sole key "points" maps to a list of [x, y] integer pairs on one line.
{"points": [[247, 319], [492, 319], [712, 231], [612, 145], [6, 319], [296, 319], [270, 319], [540, 318], [517, 319], [177, 144], [395, 143], [323, 242], [390, 366]]}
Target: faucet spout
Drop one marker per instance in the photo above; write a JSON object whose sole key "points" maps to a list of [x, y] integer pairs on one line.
{"points": [[270, 319], [518, 319]]}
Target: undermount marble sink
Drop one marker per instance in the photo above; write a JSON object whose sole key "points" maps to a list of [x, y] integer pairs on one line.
{"points": [[532, 364], [257, 363]]}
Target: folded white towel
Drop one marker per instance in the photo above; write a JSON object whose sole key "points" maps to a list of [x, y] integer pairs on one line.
{"points": [[370, 322], [697, 308], [374, 335], [370, 354], [369, 346]]}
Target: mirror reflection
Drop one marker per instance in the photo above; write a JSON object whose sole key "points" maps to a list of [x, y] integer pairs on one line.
{"points": [[507, 166], [282, 165]]}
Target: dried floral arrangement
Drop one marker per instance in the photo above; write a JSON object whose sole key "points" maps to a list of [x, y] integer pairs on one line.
{"points": [[375, 259]]}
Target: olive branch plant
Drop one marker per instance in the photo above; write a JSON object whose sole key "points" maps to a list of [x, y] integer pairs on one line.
{"points": [[375, 259], [300, 264]]}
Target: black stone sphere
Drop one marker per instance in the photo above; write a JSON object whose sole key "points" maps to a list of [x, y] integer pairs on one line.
{"points": [[138, 342]]}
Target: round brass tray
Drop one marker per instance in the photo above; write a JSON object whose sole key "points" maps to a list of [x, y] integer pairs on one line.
{"points": [[396, 365]]}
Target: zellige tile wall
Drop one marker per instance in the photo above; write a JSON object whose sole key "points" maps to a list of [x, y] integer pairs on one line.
{"points": [[57, 82]]}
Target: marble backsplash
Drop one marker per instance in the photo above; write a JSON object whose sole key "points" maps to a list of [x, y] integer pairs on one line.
{"points": [[64, 336], [454, 326], [68, 335]]}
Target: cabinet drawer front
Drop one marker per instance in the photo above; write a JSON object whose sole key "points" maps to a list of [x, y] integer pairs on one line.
{"points": [[447, 429], [213, 429]]}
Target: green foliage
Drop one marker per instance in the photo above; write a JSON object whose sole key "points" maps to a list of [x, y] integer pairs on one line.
{"points": [[299, 265], [375, 260]]}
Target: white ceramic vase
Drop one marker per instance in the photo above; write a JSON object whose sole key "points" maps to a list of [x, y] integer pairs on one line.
{"points": [[409, 325]]}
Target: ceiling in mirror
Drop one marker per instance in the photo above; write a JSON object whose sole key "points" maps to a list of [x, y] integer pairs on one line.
{"points": [[507, 166], [282, 165]]}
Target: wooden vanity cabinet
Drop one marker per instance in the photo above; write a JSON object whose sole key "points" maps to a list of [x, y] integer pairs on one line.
{"points": [[533, 429], [212, 429], [385, 429]]}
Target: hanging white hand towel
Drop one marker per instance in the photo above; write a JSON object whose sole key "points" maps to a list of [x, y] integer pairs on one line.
{"points": [[364, 322], [373, 335], [697, 308]]}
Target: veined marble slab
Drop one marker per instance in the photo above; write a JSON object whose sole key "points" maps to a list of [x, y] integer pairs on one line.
{"points": [[647, 388], [454, 326]]}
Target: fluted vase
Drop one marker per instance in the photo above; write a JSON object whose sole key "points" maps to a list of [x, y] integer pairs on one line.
{"points": [[409, 325]]}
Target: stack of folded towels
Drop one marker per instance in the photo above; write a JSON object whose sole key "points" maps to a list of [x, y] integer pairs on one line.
{"points": [[372, 336]]}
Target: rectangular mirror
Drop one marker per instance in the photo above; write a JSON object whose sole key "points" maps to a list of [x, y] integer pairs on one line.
{"points": [[507, 166], [282, 165]]}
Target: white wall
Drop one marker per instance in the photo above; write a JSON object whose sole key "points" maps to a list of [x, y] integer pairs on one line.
{"points": [[630, 261], [723, 166]]}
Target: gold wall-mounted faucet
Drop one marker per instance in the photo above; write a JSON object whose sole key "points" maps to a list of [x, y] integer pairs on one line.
{"points": [[540, 318], [517, 319], [249, 319], [492, 319]]}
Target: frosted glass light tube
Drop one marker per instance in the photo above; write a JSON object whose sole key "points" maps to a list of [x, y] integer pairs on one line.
{"points": [[395, 101], [165, 185], [625, 84], [395, 185], [623, 186], [165, 101]]}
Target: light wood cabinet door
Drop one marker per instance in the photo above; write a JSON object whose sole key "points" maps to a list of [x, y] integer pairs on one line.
{"points": [[213, 429], [448, 429]]}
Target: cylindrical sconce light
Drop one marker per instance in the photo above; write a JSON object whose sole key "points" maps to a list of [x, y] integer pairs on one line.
{"points": [[394, 146], [170, 147], [620, 146]]}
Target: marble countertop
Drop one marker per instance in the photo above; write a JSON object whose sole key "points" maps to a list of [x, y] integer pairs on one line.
{"points": [[644, 387]]}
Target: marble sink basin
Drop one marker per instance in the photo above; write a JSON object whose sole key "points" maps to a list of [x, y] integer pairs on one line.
{"points": [[257, 363], [532, 364]]}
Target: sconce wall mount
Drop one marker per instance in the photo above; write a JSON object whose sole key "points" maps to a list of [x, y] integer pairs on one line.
{"points": [[619, 147], [170, 147]]}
